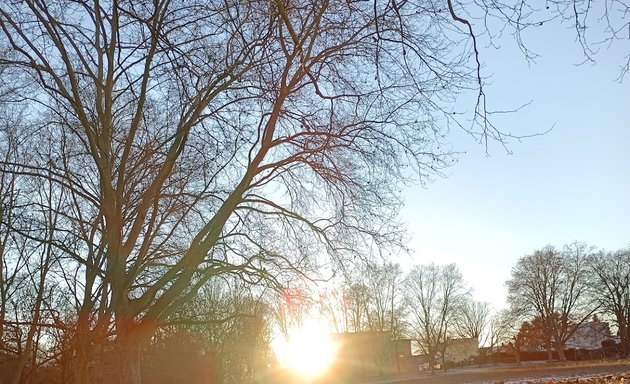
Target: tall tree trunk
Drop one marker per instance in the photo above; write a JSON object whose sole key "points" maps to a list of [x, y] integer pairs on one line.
{"points": [[132, 337], [549, 350], [560, 340], [130, 362], [561, 355], [432, 360], [82, 359], [549, 354], [624, 336]]}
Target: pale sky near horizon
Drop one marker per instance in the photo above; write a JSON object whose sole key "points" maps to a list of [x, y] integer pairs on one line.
{"points": [[571, 184]]}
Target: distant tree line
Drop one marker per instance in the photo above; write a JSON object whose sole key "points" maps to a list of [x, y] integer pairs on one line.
{"points": [[551, 292], [430, 304]]}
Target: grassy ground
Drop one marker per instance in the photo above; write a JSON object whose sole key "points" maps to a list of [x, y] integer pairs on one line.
{"points": [[533, 372]]}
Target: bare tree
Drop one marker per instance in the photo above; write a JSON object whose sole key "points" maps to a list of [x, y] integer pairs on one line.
{"points": [[333, 304], [433, 295], [384, 284], [293, 309], [552, 285], [356, 298], [611, 289], [230, 322], [28, 266], [198, 139], [501, 330], [373, 299], [373, 302], [8, 202], [472, 319], [11, 203]]}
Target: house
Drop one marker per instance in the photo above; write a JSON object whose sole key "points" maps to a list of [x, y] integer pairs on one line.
{"points": [[589, 336], [365, 354], [457, 351], [408, 362], [461, 350]]}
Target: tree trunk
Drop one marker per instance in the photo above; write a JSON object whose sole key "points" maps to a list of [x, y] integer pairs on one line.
{"points": [[432, 360], [82, 360], [130, 362], [561, 355], [624, 336], [131, 339], [82, 348], [625, 344], [549, 348]]}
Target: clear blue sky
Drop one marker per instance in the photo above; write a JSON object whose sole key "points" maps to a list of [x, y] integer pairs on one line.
{"points": [[572, 183]]}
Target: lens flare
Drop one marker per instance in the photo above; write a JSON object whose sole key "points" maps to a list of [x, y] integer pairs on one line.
{"points": [[307, 351]]}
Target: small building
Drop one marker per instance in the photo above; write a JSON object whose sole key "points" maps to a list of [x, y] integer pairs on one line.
{"points": [[589, 336], [407, 362], [460, 351], [365, 354]]}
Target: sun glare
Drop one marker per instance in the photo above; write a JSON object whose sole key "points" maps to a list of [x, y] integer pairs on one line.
{"points": [[308, 350]]}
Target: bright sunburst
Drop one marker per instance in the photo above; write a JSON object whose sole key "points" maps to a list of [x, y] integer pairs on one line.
{"points": [[308, 351]]}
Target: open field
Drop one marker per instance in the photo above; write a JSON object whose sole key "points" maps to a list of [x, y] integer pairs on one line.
{"points": [[616, 371]]}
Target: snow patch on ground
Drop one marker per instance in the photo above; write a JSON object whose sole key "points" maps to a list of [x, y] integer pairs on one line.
{"points": [[568, 379]]}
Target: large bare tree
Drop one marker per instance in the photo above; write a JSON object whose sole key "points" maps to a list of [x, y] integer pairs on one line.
{"points": [[552, 285], [434, 293], [611, 289], [472, 320], [198, 138]]}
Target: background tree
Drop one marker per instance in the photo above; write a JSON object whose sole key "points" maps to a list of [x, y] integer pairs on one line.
{"points": [[500, 331], [29, 274], [333, 304], [534, 335], [433, 295], [385, 311], [373, 299], [552, 285], [11, 263], [8, 202], [373, 302], [223, 336], [611, 289], [356, 298], [293, 309], [472, 320]]}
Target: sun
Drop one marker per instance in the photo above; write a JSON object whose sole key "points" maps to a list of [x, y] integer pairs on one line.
{"points": [[307, 351]]}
